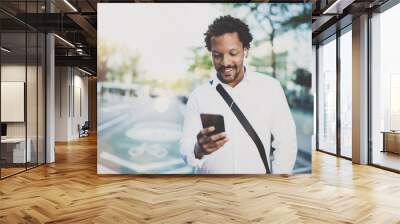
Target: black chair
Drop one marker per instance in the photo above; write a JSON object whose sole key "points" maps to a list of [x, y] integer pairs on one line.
{"points": [[84, 130]]}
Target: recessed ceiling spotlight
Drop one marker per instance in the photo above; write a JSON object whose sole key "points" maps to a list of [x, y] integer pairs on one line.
{"points": [[64, 40], [5, 50], [70, 5], [84, 71]]}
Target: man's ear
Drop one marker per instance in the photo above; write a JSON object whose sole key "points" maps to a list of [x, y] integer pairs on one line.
{"points": [[246, 51]]}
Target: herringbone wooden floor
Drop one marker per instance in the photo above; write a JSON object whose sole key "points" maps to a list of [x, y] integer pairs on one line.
{"points": [[70, 191]]}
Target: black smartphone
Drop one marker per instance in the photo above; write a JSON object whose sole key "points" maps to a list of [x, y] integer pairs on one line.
{"points": [[215, 120]]}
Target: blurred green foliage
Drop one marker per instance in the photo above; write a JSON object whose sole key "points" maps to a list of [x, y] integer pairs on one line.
{"points": [[268, 23], [302, 78], [127, 71], [201, 60], [104, 50], [124, 69], [275, 19]]}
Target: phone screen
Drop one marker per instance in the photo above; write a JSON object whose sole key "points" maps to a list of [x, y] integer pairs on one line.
{"points": [[215, 120]]}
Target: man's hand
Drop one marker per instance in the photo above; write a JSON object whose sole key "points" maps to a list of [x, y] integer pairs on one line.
{"points": [[207, 143]]}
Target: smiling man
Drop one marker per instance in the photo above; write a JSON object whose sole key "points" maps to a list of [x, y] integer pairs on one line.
{"points": [[253, 107]]}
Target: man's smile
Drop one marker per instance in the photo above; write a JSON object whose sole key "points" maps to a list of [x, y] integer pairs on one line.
{"points": [[227, 71]]}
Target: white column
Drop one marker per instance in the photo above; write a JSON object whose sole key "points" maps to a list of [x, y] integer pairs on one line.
{"points": [[360, 90], [50, 99], [50, 92]]}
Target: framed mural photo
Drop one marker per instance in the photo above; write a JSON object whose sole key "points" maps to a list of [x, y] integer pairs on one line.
{"points": [[204, 88]]}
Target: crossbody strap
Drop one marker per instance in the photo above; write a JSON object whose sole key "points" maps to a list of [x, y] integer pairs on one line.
{"points": [[245, 123]]}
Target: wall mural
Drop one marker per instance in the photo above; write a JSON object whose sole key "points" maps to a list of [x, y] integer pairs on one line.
{"points": [[219, 88]]}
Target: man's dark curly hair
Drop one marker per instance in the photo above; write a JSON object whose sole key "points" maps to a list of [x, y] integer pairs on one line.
{"points": [[228, 24]]}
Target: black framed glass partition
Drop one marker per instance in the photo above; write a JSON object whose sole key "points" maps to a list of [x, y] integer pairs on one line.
{"points": [[13, 147], [326, 106], [345, 60], [13, 109], [334, 93], [22, 78], [385, 89]]}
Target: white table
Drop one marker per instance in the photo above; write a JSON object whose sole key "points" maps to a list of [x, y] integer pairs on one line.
{"points": [[18, 144]]}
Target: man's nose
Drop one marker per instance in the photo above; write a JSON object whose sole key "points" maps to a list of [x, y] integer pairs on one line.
{"points": [[226, 61]]}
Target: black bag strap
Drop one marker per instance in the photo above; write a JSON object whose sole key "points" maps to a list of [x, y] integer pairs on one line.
{"points": [[245, 123]]}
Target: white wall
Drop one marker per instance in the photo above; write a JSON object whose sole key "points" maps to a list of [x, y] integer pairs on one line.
{"points": [[81, 82], [71, 94], [79, 112], [62, 81]]}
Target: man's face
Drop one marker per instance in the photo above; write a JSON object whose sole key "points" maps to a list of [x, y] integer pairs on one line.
{"points": [[228, 54]]}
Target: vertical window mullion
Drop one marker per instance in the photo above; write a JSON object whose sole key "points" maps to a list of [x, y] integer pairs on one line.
{"points": [[26, 86], [0, 89], [317, 96], [338, 74], [37, 89], [369, 91]]}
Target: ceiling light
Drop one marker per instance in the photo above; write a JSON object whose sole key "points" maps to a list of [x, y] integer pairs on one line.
{"points": [[333, 6], [70, 5], [337, 7], [79, 51], [86, 72], [64, 40], [5, 50]]}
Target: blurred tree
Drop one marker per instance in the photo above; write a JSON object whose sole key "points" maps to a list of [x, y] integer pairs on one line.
{"points": [[263, 64], [201, 60], [304, 99], [127, 71], [201, 66], [302, 77], [105, 50], [276, 19]]}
